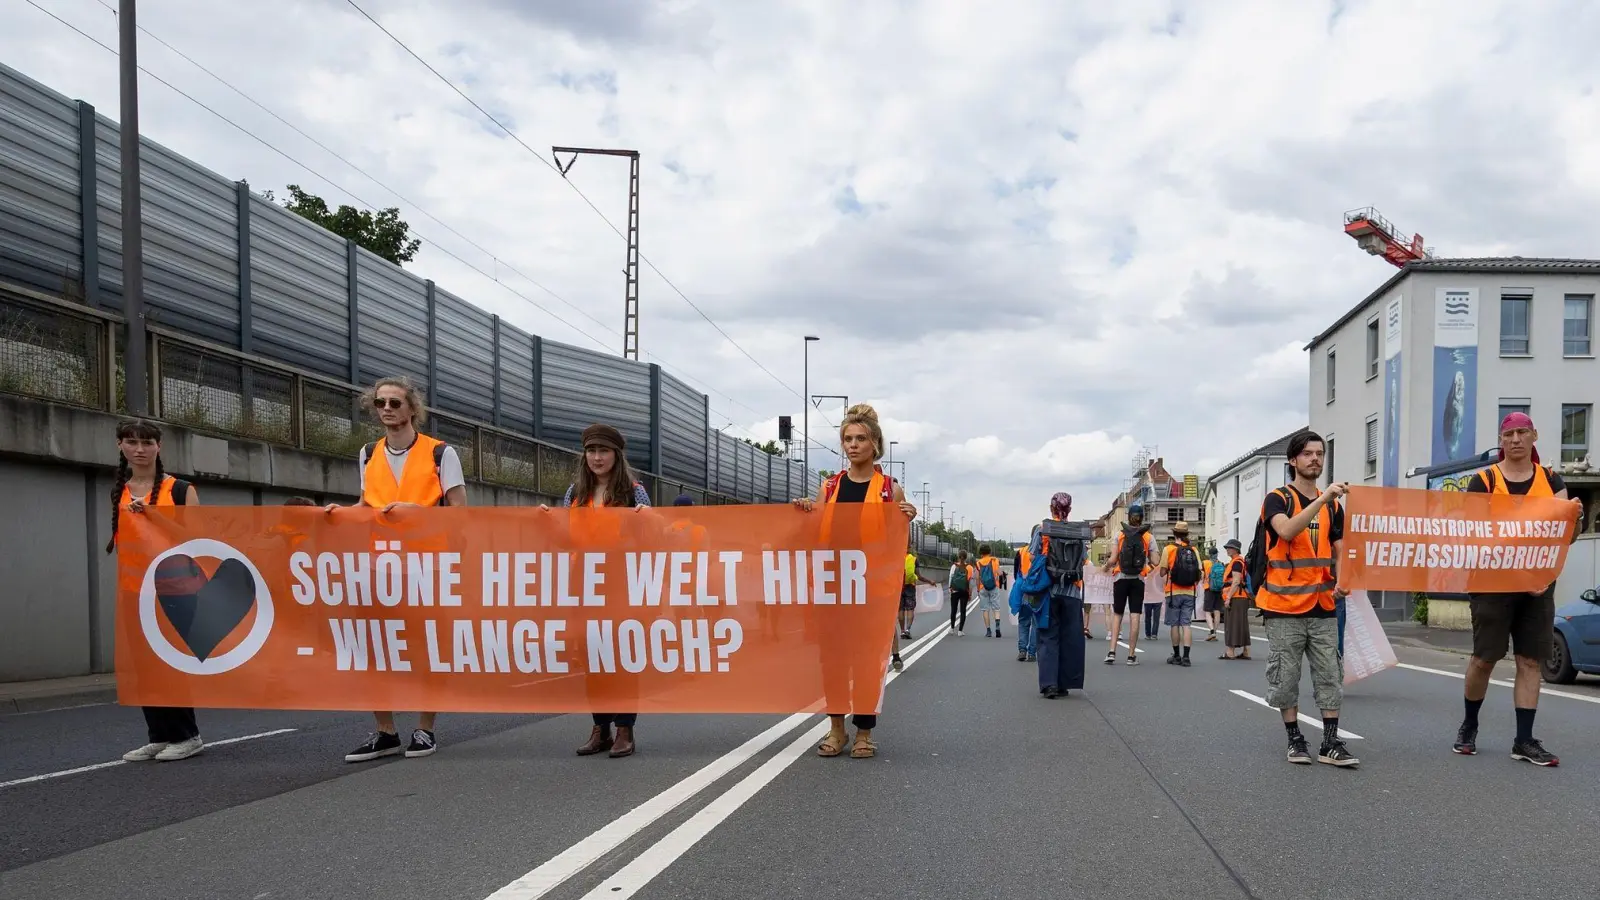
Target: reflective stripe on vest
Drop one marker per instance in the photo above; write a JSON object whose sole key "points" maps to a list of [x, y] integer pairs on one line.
{"points": [[1496, 477], [1300, 575], [419, 479]]}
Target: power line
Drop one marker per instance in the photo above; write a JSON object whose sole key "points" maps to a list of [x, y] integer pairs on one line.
{"points": [[552, 167]]}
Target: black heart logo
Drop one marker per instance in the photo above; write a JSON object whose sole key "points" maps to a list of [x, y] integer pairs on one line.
{"points": [[204, 611]]}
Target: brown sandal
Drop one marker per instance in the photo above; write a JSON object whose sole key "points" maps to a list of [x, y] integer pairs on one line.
{"points": [[863, 748], [833, 744]]}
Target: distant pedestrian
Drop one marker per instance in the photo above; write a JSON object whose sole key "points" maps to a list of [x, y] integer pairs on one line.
{"points": [[908, 602], [988, 586], [1181, 570], [1027, 626], [960, 582], [1212, 577], [1060, 611], [1236, 605], [1132, 559]]}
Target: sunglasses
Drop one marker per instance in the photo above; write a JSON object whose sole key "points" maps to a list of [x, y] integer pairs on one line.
{"points": [[388, 403]]}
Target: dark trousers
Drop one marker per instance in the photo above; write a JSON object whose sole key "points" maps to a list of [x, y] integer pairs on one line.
{"points": [[1061, 646], [958, 608], [1152, 619], [621, 720], [867, 722], [170, 724]]}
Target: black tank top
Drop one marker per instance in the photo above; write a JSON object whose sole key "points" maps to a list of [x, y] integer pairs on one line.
{"points": [[852, 491]]}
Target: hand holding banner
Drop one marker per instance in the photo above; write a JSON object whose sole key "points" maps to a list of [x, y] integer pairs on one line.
{"points": [[1398, 539], [703, 609]]}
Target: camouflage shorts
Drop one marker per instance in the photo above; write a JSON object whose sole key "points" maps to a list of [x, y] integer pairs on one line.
{"points": [[1317, 640]]}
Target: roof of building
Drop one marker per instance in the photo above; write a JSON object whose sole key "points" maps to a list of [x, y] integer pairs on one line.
{"points": [[1486, 265], [1278, 447]]}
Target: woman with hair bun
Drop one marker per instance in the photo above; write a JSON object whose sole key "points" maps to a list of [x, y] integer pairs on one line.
{"points": [[861, 438]]}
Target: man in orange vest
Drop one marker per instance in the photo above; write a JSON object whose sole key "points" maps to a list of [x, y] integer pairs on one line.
{"points": [[405, 469], [1298, 599], [1526, 621]]}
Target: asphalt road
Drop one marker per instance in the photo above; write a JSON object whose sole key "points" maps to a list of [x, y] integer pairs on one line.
{"points": [[1154, 782]]}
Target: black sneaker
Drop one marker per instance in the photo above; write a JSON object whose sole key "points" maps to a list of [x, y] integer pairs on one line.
{"points": [[1466, 740], [1534, 752], [378, 744], [1111, 658], [1299, 751], [422, 744], [997, 633], [1184, 662], [988, 631], [898, 664], [1173, 660], [1335, 753]]}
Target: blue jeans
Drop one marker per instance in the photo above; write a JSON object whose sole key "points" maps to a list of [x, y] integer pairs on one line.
{"points": [[1152, 619], [1338, 605], [1027, 630]]}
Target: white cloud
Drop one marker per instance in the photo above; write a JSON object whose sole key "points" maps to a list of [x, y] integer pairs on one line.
{"points": [[1036, 235]]}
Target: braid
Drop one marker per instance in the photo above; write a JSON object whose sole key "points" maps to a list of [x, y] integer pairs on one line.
{"points": [[155, 485], [124, 471]]}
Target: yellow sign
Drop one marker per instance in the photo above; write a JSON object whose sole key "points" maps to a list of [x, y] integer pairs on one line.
{"points": [[1191, 487]]}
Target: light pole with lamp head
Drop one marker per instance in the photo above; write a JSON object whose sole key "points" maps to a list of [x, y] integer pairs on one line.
{"points": [[805, 438]]}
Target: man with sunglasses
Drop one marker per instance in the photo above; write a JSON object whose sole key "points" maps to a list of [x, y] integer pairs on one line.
{"points": [[404, 469]]}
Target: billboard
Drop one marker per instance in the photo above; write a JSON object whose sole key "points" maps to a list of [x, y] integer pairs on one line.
{"points": [[1393, 331], [1455, 374]]}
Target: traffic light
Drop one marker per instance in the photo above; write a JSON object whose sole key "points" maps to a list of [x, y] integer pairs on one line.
{"points": [[785, 428]]}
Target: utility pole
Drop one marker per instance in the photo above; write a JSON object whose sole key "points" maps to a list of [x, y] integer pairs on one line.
{"points": [[135, 358], [630, 271]]}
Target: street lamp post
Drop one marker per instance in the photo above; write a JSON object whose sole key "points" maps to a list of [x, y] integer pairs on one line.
{"points": [[805, 438]]}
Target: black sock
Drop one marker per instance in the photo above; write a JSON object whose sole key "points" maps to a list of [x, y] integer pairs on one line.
{"points": [[1525, 724], [1472, 711], [1330, 729], [1293, 728], [1186, 653]]}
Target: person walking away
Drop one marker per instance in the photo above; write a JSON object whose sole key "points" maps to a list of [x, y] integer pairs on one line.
{"points": [[1212, 576], [1181, 570], [1235, 605], [861, 439], [1301, 539], [1524, 623], [142, 482], [960, 592], [406, 469], [908, 603], [1131, 561], [988, 573], [1064, 546], [1027, 628]]}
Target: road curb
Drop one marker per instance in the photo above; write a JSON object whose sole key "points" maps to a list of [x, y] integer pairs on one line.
{"points": [[65, 699]]}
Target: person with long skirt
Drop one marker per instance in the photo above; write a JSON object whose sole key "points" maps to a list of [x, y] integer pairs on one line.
{"points": [[1235, 606]]}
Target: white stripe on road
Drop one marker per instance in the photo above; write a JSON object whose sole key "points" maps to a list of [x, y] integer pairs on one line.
{"points": [[1314, 723], [122, 762], [655, 860], [569, 862]]}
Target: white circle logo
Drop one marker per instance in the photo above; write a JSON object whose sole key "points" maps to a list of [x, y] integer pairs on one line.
{"points": [[205, 610]]}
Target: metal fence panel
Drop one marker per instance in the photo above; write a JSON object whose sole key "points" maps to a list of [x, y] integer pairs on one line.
{"points": [[391, 322], [466, 357], [582, 387], [298, 289], [727, 463], [41, 231], [683, 431], [761, 475], [516, 379]]}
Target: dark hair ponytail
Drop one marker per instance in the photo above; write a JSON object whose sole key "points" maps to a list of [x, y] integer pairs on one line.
{"points": [[124, 472]]}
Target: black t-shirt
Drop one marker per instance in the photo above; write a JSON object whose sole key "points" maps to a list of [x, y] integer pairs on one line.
{"points": [[1276, 506], [852, 491], [1476, 485]]}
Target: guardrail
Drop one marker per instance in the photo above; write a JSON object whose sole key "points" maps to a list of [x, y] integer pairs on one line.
{"points": [[55, 350]]}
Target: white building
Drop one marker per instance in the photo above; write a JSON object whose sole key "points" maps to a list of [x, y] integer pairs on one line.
{"points": [[1234, 494]]}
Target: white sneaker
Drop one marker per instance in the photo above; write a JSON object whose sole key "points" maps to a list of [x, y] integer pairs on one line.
{"points": [[181, 750], [145, 753]]}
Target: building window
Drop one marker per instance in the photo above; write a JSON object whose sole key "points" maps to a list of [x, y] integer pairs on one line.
{"points": [[1174, 514], [1200, 514], [1371, 470], [1331, 368], [1236, 530], [1507, 407], [1374, 349], [1327, 466], [1576, 324], [1514, 325], [1575, 431], [1236, 493]]}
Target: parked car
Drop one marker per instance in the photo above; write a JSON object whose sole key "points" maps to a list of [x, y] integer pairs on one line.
{"points": [[1577, 640]]}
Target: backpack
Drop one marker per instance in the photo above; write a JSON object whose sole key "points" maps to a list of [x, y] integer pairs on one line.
{"points": [[1218, 570], [986, 576], [1132, 559], [958, 578], [438, 460], [1185, 567], [1256, 558], [1069, 548]]}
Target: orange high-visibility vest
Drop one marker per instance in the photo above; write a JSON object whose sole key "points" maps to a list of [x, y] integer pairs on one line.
{"points": [[419, 478], [1495, 478], [1300, 573]]}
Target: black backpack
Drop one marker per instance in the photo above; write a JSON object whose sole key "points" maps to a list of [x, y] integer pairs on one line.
{"points": [[1132, 559], [1255, 559], [438, 460], [1185, 567], [1069, 548]]}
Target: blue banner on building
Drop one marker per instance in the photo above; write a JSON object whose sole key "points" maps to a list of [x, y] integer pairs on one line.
{"points": [[1393, 331], [1455, 374]]}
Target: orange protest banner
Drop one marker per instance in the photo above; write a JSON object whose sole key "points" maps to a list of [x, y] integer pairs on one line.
{"points": [[1401, 539], [721, 609]]}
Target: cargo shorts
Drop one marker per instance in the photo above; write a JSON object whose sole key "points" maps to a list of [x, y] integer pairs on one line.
{"points": [[1317, 641]]}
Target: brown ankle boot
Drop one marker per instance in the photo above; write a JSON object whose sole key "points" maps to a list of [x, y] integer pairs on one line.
{"points": [[623, 745], [599, 741]]}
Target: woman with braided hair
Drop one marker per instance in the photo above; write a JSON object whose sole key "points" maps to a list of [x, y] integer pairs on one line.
{"points": [[142, 482]]}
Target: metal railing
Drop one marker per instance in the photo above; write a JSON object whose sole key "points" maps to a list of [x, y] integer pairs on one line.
{"points": [[59, 351]]}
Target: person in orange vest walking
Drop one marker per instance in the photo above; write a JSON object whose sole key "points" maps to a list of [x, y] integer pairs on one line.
{"points": [[1524, 623], [1132, 559], [1027, 625], [142, 482], [987, 573], [1304, 533], [1235, 605], [406, 469], [1182, 572]]}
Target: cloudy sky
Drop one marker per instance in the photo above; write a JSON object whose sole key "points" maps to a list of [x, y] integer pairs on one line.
{"points": [[1036, 234]]}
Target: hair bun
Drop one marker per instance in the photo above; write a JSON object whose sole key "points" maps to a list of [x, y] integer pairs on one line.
{"points": [[862, 410]]}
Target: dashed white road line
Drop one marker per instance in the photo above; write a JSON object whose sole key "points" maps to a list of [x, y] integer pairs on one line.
{"points": [[122, 762], [1314, 723]]}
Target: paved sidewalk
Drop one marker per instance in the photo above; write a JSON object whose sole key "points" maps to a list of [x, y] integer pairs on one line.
{"points": [[56, 693]]}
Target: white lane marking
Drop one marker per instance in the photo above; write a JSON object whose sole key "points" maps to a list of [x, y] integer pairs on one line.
{"points": [[122, 762], [1314, 723], [1124, 645], [569, 862], [663, 853], [1543, 688]]}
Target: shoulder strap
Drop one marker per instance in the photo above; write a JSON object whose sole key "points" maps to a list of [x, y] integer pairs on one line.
{"points": [[368, 450], [180, 492], [438, 454], [831, 486]]}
